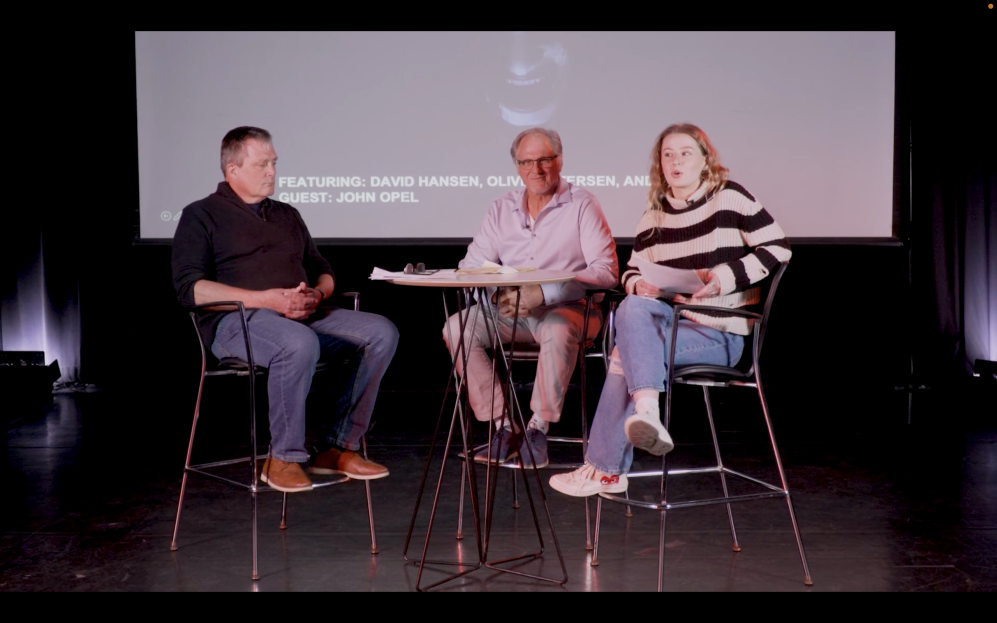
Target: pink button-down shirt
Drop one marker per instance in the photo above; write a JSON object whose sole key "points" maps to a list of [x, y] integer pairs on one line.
{"points": [[570, 233]]}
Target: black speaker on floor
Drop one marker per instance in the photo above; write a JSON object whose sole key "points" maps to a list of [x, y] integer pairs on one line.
{"points": [[22, 358], [25, 383], [985, 369]]}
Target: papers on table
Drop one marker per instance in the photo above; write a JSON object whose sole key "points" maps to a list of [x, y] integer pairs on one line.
{"points": [[381, 274], [491, 268], [488, 268], [675, 280]]}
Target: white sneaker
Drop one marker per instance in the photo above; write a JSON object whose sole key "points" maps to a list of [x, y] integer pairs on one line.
{"points": [[644, 431], [580, 483]]}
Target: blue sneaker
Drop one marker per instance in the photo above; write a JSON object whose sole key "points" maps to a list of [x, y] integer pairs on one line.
{"points": [[538, 443], [505, 447]]}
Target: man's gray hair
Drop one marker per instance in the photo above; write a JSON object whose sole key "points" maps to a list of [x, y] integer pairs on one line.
{"points": [[552, 137], [234, 144]]}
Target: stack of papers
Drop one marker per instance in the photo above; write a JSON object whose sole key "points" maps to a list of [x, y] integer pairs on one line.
{"points": [[491, 268], [666, 279], [381, 274], [488, 268]]}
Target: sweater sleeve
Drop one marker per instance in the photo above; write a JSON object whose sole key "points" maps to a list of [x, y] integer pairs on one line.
{"points": [[630, 277], [192, 257], [768, 245], [632, 274]]}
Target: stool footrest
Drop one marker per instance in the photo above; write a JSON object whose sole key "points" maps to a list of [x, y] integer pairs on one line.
{"points": [[667, 506], [245, 459]]}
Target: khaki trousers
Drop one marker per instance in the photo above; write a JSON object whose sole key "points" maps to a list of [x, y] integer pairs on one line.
{"points": [[556, 329]]}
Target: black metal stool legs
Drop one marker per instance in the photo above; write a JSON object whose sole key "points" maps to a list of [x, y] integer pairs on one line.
{"points": [[720, 466], [807, 580], [370, 505]]}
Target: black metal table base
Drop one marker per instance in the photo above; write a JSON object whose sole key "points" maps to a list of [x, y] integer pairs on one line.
{"points": [[469, 313]]}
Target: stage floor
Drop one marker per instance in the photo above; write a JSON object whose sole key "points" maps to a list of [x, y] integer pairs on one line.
{"points": [[92, 482]]}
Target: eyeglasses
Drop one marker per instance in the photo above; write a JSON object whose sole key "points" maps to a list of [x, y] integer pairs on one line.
{"points": [[528, 164], [419, 269]]}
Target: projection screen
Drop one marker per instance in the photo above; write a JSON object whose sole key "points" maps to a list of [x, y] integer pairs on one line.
{"points": [[406, 135]]}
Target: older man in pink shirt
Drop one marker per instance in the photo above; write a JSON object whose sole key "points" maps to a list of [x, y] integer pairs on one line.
{"points": [[550, 224]]}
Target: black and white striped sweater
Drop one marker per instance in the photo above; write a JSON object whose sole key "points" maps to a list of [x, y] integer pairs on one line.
{"points": [[729, 232]]}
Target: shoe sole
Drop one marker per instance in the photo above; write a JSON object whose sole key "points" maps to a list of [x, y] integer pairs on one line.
{"points": [[483, 459], [325, 471], [645, 436], [617, 488], [540, 466], [366, 477], [263, 479]]}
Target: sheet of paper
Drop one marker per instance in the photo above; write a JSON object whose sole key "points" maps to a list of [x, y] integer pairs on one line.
{"points": [[381, 274], [676, 280], [491, 268]]}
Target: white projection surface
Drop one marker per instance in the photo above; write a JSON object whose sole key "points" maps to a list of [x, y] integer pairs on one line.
{"points": [[406, 135]]}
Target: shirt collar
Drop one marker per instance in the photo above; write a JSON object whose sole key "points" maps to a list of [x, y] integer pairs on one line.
{"points": [[225, 191]]}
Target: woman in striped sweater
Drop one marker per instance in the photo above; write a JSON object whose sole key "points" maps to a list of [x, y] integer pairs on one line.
{"points": [[696, 219]]}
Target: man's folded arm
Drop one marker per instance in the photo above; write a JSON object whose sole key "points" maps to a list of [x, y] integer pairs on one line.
{"points": [[207, 291]]}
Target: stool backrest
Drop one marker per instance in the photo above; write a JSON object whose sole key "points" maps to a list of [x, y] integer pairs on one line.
{"points": [[769, 287]]}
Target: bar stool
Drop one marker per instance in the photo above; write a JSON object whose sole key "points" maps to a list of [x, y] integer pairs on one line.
{"points": [[746, 374], [232, 366]]}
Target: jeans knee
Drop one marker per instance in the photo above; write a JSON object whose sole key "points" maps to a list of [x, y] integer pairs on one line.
{"points": [[632, 309], [385, 335], [637, 313], [302, 349]]}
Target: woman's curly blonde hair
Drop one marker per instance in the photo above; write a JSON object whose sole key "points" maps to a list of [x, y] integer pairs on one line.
{"points": [[714, 174]]}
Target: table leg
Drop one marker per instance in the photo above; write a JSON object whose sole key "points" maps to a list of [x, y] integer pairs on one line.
{"points": [[469, 314], [515, 413], [458, 413]]}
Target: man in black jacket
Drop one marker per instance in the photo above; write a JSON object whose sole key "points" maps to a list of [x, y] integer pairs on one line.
{"points": [[237, 244]]}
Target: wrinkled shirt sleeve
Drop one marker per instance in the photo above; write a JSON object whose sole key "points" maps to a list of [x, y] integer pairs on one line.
{"points": [[599, 249], [485, 245]]}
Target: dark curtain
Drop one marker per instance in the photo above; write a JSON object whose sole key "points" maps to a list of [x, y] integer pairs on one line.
{"points": [[953, 222], [40, 309], [69, 281]]}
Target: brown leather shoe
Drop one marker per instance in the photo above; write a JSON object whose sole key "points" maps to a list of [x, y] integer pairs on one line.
{"points": [[336, 461], [284, 476]]}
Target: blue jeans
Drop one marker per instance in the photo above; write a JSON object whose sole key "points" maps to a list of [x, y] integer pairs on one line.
{"points": [[643, 337], [290, 349]]}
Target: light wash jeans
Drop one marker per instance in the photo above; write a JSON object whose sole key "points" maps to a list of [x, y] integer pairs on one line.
{"points": [[643, 336], [290, 349], [556, 329]]}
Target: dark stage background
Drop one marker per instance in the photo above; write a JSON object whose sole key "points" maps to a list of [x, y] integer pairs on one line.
{"points": [[849, 320]]}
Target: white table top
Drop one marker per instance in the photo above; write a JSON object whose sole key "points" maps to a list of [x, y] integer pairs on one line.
{"points": [[450, 280]]}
